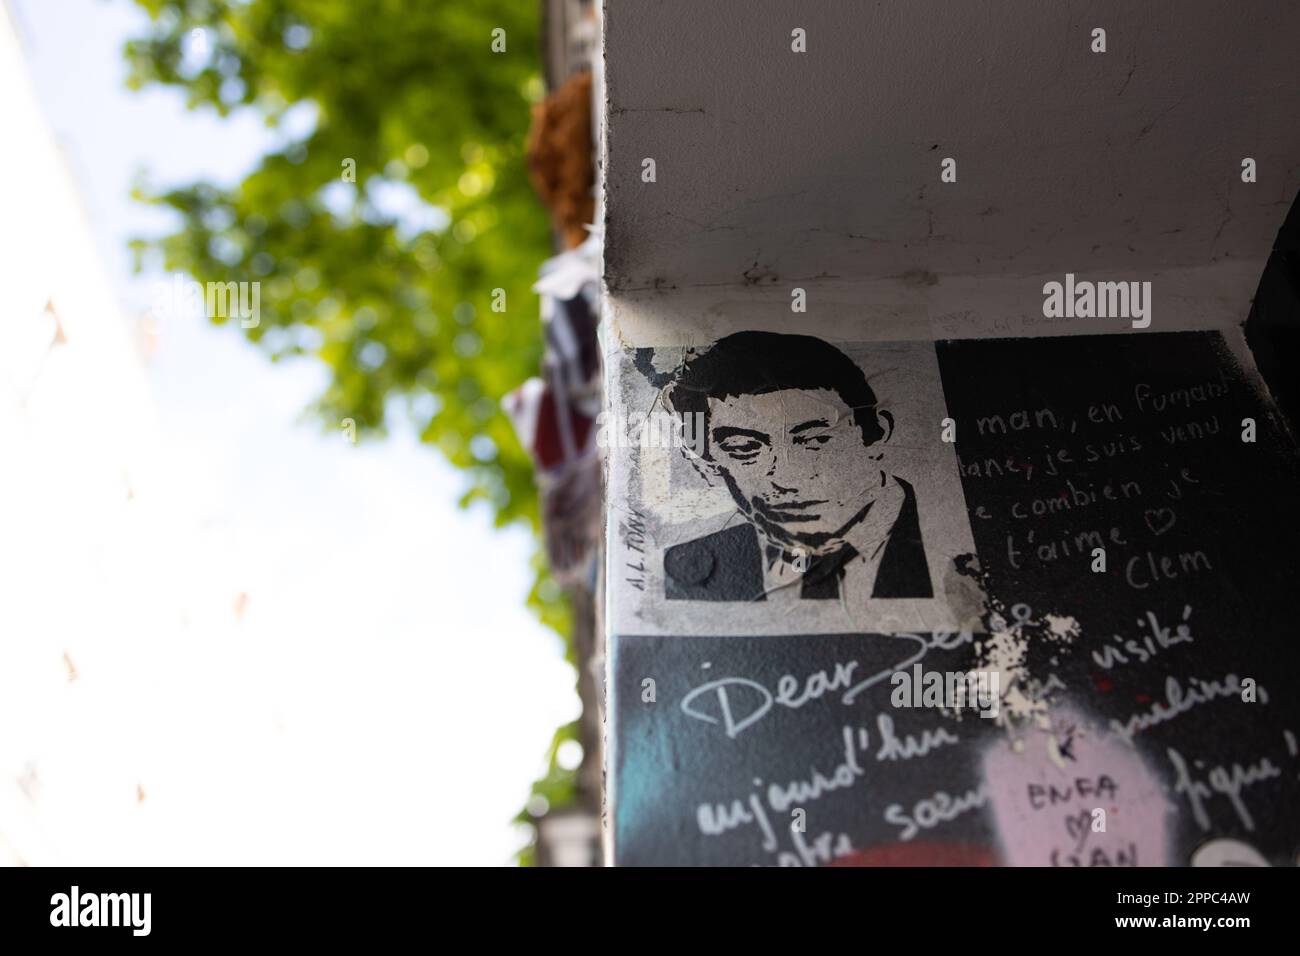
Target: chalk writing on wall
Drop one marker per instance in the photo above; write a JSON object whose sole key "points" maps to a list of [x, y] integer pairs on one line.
{"points": [[1145, 720]]}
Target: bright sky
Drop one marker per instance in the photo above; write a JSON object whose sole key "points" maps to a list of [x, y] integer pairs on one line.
{"points": [[385, 696]]}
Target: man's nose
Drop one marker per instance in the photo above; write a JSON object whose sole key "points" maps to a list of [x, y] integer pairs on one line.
{"points": [[783, 470]]}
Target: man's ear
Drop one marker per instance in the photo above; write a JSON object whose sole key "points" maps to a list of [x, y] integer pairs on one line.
{"points": [[886, 424]]}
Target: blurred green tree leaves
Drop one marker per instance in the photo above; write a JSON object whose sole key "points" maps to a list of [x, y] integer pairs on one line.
{"points": [[397, 204], [387, 279]]}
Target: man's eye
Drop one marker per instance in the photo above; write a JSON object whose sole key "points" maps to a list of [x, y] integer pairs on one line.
{"points": [[815, 440], [744, 447]]}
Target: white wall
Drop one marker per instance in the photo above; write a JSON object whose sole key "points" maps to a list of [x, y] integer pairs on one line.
{"points": [[775, 167]]}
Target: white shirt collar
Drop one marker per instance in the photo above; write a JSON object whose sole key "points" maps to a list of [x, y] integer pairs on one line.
{"points": [[783, 578]]}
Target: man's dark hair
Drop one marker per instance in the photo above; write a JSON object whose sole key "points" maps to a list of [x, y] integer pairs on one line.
{"points": [[754, 363]]}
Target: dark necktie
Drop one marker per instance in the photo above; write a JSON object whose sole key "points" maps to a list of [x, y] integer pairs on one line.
{"points": [[824, 574]]}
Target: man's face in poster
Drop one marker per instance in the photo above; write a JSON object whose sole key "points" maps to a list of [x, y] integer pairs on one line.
{"points": [[797, 462]]}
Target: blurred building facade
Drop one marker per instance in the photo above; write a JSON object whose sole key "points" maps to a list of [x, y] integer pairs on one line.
{"points": [[109, 600], [80, 535]]}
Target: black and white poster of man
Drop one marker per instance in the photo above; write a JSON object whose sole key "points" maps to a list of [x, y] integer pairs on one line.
{"points": [[832, 506]]}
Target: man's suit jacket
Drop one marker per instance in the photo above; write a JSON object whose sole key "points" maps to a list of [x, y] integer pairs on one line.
{"points": [[728, 564]]}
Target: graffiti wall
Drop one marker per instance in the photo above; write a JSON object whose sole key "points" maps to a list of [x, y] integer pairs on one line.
{"points": [[993, 601]]}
